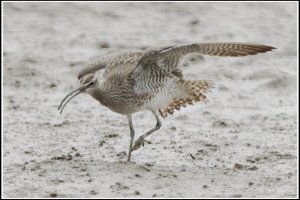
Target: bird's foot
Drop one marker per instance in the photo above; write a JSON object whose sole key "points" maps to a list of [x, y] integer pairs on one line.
{"points": [[129, 155], [138, 143], [128, 158]]}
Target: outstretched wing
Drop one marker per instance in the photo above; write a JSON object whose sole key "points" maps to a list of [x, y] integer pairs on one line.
{"points": [[161, 62], [167, 59], [112, 61]]}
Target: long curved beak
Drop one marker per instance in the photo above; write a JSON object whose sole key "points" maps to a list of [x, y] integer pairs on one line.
{"points": [[66, 100]]}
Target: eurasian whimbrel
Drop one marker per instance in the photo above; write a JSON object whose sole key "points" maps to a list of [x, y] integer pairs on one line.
{"points": [[151, 80]]}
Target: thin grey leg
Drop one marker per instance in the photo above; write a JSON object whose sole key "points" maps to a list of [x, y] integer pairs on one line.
{"points": [[132, 134], [140, 141]]}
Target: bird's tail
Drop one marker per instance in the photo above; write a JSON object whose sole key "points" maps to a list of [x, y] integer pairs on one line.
{"points": [[191, 91]]}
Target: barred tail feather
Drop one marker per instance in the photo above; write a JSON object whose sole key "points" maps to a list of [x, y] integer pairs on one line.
{"points": [[192, 91]]}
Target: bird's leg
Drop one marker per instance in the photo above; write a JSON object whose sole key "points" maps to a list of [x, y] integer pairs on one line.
{"points": [[140, 141], [131, 136]]}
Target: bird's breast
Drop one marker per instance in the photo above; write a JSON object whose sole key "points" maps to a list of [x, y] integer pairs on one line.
{"points": [[162, 95]]}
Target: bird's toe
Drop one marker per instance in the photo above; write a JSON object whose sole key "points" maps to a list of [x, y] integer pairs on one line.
{"points": [[138, 143]]}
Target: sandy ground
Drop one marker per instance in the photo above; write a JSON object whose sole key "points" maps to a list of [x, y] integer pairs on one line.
{"points": [[242, 143]]}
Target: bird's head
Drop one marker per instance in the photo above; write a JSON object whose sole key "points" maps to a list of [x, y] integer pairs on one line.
{"points": [[88, 84]]}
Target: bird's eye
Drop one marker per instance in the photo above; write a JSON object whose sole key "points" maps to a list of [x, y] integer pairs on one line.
{"points": [[92, 83]]}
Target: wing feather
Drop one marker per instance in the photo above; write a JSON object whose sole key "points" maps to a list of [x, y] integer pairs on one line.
{"points": [[168, 59], [111, 62]]}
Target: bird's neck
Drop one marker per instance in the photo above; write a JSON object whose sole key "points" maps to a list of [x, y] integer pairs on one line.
{"points": [[102, 96]]}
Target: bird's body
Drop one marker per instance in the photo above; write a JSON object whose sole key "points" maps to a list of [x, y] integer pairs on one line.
{"points": [[153, 92], [136, 80]]}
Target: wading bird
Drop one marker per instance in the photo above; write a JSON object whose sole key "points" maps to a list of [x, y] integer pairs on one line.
{"points": [[151, 79]]}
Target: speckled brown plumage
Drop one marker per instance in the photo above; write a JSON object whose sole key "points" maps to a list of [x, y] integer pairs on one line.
{"points": [[196, 90], [151, 79]]}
